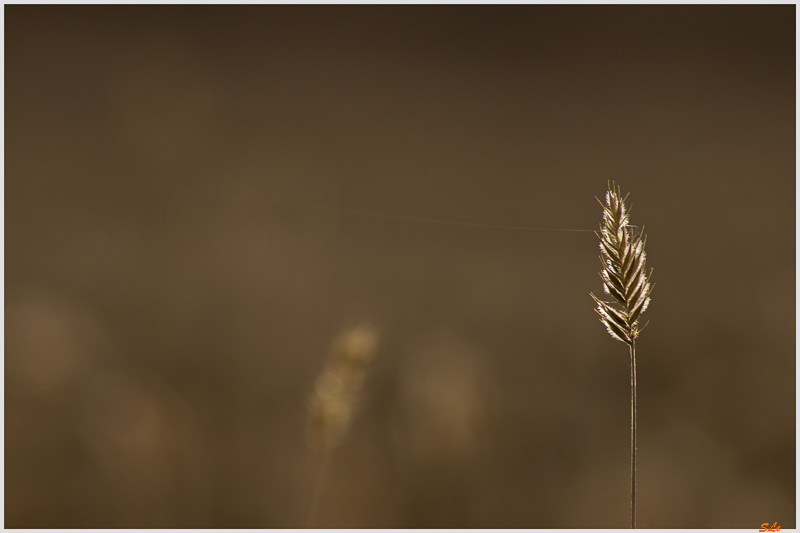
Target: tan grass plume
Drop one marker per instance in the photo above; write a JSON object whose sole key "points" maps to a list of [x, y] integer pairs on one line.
{"points": [[334, 399], [337, 389], [626, 281]]}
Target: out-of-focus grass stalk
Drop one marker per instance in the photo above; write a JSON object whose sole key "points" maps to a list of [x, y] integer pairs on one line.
{"points": [[333, 401]]}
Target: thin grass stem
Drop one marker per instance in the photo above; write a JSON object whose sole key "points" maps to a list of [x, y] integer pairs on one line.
{"points": [[633, 436], [316, 494]]}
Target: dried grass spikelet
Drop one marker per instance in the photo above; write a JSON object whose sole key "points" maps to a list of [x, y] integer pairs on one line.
{"points": [[623, 272], [337, 389]]}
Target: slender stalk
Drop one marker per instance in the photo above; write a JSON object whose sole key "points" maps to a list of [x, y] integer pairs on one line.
{"points": [[633, 436], [322, 469]]}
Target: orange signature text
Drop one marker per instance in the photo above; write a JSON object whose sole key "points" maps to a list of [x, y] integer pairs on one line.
{"points": [[765, 527]]}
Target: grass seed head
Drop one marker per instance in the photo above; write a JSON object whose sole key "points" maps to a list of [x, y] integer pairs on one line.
{"points": [[336, 390], [625, 279]]}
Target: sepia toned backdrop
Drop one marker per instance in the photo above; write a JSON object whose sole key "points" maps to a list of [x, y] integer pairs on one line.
{"points": [[199, 200]]}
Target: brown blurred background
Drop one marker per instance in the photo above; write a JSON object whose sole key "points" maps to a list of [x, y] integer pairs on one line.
{"points": [[184, 243]]}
